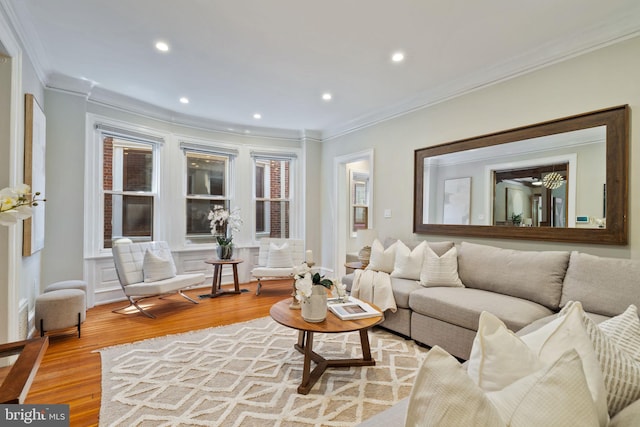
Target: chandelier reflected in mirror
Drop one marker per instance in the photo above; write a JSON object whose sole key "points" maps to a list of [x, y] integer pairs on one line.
{"points": [[552, 180]]}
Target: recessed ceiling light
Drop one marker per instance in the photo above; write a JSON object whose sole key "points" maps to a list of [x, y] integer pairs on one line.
{"points": [[397, 57], [184, 100], [162, 46], [327, 96], [257, 116]]}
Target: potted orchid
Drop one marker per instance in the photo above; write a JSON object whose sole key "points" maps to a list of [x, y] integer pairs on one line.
{"points": [[311, 292], [223, 223], [16, 203]]}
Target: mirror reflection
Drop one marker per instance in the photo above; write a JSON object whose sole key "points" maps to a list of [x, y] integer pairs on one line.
{"points": [[541, 182], [563, 180]]}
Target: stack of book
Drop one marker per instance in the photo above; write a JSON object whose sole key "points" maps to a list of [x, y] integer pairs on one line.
{"points": [[351, 308]]}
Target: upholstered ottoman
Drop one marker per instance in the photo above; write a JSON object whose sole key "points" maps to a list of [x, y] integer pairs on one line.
{"points": [[60, 309], [68, 284]]}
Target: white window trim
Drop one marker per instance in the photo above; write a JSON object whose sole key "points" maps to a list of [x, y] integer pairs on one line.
{"points": [[296, 221], [215, 148], [93, 195]]}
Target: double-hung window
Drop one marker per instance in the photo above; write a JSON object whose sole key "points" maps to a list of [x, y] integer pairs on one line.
{"points": [[273, 194], [208, 186], [128, 188]]}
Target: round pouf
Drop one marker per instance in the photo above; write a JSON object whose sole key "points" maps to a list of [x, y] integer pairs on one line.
{"points": [[60, 309]]}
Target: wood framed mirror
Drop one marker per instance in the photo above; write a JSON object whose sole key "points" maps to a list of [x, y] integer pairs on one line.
{"points": [[594, 148]]}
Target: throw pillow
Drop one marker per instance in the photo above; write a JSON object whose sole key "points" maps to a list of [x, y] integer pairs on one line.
{"points": [[621, 371], [443, 395], [408, 263], [556, 395], [499, 357], [624, 330], [440, 271], [279, 256], [382, 259], [155, 267]]}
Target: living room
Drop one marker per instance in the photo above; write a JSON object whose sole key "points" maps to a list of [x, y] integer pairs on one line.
{"points": [[589, 74]]}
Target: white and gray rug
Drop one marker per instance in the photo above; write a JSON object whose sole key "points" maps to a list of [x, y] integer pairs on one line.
{"points": [[247, 374]]}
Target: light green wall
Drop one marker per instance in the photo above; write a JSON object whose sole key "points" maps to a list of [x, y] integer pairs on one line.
{"points": [[600, 79]]}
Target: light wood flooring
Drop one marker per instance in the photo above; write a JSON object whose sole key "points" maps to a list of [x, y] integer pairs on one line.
{"points": [[70, 372]]}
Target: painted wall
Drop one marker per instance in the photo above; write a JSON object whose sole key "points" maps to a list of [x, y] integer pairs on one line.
{"points": [[603, 78]]}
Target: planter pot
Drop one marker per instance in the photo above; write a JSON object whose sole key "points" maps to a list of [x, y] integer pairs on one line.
{"points": [[225, 252], [314, 309]]}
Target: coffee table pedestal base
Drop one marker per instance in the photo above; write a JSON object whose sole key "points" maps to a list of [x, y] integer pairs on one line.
{"points": [[309, 377]]}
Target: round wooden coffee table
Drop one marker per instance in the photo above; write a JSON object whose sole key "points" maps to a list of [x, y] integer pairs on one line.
{"points": [[281, 313]]}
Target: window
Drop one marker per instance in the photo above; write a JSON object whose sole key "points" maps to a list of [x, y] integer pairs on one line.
{"points": [[272, 197], [128, 189], [207, 189]]}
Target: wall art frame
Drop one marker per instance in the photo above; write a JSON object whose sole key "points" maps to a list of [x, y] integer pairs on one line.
{"points": [[34, 173]]}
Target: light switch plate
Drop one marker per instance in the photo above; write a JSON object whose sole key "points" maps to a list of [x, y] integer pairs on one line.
{"points": [[387, 213]]}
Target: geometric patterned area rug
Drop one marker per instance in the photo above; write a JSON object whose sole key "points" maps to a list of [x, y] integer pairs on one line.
{"points": [[247, 374]]}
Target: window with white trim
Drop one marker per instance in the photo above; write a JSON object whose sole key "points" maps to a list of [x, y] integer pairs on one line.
{"points": [[128, 188], [273, 195], [208, 186]]}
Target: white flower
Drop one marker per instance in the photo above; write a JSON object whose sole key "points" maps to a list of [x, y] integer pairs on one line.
{"points": [[304, 285], [341, 289], [15, 204]]}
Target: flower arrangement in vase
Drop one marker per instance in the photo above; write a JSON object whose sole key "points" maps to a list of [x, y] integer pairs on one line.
{"points": [[16, 203], [311, 292], [223, 223]]}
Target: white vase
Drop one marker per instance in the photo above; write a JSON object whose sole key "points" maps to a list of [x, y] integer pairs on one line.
{"points": [[314, 309]]}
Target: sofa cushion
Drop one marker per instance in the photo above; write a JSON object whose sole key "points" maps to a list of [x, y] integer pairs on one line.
{"points": [[401, 290], [534, 276], [462, 307], [603, 285]]}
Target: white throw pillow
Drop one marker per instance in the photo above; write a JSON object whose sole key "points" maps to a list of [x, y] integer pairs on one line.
{"points": [[408, 263], [444, 395], [155, 267], [624, 330], [279, 256], [498, 357], [440, 271], [382, 259]]}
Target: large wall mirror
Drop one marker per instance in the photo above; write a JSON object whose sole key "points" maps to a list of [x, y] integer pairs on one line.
{"points": [[564, 180]]}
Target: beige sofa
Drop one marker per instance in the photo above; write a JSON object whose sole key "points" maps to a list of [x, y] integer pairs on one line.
{"points": [[522, 288]]}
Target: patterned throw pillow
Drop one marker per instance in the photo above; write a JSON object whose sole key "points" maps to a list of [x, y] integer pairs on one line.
{"points": [[620, 370], [624, 330], [440, 271]]}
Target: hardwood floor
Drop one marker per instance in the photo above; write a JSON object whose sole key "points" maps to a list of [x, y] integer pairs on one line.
{"points": [[71, 371]]}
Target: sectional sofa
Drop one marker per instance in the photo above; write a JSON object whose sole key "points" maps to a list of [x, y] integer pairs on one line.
{"points": [[524, 289]]}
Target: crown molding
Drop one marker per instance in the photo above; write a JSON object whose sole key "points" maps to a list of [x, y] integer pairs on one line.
{"points": [[28, 39], [597, 37]]}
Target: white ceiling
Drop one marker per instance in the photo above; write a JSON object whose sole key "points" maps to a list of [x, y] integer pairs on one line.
{"points": [[277, 57]]}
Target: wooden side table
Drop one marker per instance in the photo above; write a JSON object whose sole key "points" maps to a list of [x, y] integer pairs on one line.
{"points": [[217, 277]]}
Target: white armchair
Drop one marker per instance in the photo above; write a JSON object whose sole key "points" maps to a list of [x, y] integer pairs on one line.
{"points": [[278, 259], [147, 270]]}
